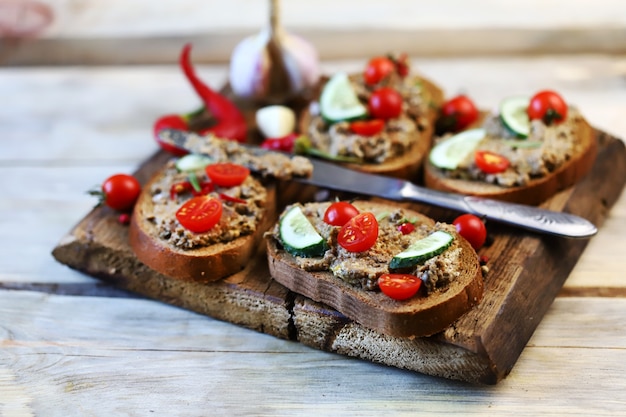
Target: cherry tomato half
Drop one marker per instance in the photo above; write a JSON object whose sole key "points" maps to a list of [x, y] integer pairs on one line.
{"points": [[472, 228], [227, 174], [120, 191], [399, 286], [385, 103], [367, 127], [359, 233], [490, 162], [200, 214], [547, 106], [377, 69], [339, 213], [459, 112]]}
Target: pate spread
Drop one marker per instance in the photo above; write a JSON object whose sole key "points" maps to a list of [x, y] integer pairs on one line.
{"points": [[545, 150], [398, 136], [362, 269], [238, 218], [266, 164]]}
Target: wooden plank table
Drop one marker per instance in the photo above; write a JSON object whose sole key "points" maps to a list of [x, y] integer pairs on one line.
{"points": [[74, 345]]}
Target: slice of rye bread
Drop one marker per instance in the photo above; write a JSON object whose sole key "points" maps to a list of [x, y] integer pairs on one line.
{"points": [[537, 190], [408, 165], [421, 315], [202, 264]]}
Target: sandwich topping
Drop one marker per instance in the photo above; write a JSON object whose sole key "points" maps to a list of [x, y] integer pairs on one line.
{"points": [[368, 245], [509, 149], [396, 103], [200, 206], [265, 164]]}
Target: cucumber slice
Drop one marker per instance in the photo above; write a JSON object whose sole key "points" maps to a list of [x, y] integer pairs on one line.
{"points": [[421, 250], [192, 162], [523, 143], [339, 101], [449, 153], [514, 115], [298, 235]]}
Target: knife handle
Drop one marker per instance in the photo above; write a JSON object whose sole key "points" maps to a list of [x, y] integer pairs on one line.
{"points": [[524, 216], [533, 218]]}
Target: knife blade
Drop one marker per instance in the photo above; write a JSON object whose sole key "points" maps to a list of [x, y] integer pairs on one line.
{"points": [[336, 177]]}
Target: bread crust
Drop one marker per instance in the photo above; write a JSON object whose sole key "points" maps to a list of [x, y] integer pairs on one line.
{"points": [[416, 317], [203, 264], [409, 165], [537, 190]]}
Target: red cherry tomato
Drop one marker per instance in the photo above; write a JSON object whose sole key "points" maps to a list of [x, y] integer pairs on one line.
{"points": [[377, 69], [472, 228], [120, 192], [284, 144], [339, 212], [170, 121], [406, 228], [385, 103], [367, 127], [460, 112], [359, 234], [490, 162], [547, 106], [399, 286], [200, 214], [227, 174]]}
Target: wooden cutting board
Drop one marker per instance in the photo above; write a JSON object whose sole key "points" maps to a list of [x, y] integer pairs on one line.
{"points": [[526, 271]]}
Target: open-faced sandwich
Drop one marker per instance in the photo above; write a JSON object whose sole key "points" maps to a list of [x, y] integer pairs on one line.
{"points": [[379, 121], [386, 267], [527, 151], [202, 216]]}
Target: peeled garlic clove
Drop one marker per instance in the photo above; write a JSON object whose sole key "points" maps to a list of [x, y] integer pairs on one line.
{"points": [[275, 121]]}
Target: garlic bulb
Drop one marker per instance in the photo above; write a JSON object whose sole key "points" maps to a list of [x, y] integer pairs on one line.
{"points": [[273, 66]]}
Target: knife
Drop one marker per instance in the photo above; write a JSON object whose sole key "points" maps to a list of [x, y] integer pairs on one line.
{"points": [[333, 176]]}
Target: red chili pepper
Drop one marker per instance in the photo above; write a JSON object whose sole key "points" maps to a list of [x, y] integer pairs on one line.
{"points": [[179, 188], [231, 123], [227, 197], [402, 65], [206, 187], [406, 228], [187, 186]]}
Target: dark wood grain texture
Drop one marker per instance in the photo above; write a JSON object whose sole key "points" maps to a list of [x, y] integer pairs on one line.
{"points": [[526, 272]]}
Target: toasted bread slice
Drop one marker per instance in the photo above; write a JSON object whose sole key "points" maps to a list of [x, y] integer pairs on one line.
{"points": [[537, 190], [407, 165], [203, 262], [421, 315]]}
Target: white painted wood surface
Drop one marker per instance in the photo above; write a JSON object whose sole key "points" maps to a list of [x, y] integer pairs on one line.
{"points": [[70, 345], [122, 32]]}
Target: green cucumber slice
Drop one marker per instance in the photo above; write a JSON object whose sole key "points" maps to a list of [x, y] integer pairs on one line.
{"points": [[523, 143], [192, 162], [339, 101], [298, 236], [514, 115], [449, 153], [421, 250]]}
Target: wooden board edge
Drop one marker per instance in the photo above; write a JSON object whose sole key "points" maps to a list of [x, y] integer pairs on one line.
{"points": [[502, 341], [285, 318]]}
